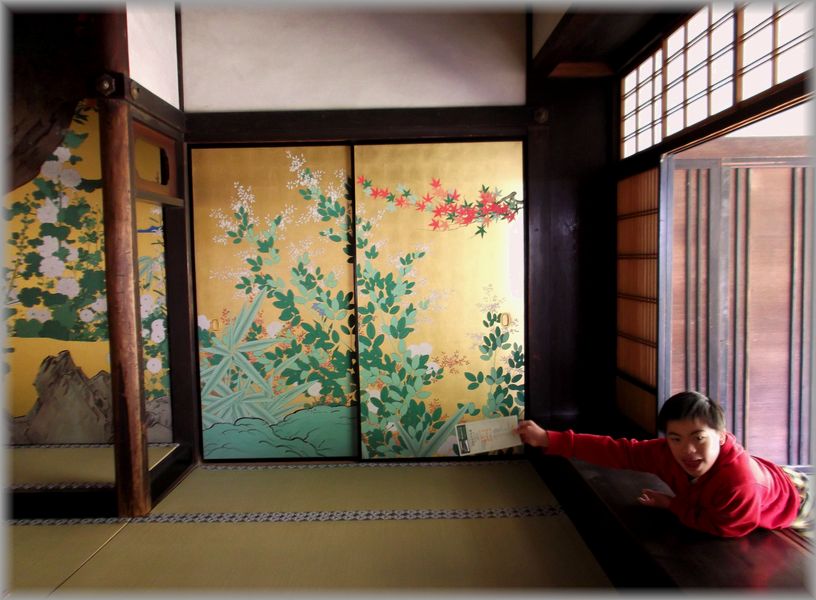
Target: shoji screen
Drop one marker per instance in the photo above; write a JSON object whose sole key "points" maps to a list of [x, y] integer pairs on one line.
{"points": [[637, 297], [275, 313], [440, 282]]}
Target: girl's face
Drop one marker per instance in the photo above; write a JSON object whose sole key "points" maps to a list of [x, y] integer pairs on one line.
{"points": [[694, 445]]}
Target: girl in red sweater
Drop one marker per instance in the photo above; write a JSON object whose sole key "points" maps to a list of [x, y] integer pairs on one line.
{"points": [[718, 487]]}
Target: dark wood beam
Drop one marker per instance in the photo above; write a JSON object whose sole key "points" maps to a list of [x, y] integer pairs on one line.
{"points": [[356, 125], [47, 83], [599, 38], [581, 69], [122, 281]]}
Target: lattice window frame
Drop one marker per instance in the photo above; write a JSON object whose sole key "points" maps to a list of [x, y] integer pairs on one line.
{"points": [[656, 94]]}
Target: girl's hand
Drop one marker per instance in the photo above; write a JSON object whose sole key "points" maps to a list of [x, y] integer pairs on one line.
{"points": [[654, 498], [530, 433]]}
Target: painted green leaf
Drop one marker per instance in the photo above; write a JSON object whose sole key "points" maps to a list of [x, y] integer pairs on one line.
{"points": [[58, 300], [30, 296], [93, 281], [55, 330], [27, 328], [58, 231]]}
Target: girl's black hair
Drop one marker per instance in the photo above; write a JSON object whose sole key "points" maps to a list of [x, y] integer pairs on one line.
{"points": [[691, 405]]}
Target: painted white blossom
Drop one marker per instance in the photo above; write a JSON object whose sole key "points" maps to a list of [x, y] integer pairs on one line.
{"points": [[70, 178], [51, 266], [147, 300], [372, 409], [146, 304], [154, 365], [68, 286], [203, 322], [314, 389], [64, 201], [86, 315], [62, 153], [49, 245], [157, 331], [274, 328], [374, 392], [145, 333], [47, 213], [100, 305], [306, 178], [51, 170], [73, 254], [432, 366], [420, 349], [39, 313]]}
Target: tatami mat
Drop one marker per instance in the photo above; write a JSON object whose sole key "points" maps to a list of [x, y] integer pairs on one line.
{"points": [[321, 527], [41, 558], [358, 487], [71, 464], [481, 553]]}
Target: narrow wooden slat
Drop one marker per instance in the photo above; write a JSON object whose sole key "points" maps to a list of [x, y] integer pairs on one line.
{"points": [[806, 361], [795, 300], [637, 302]]}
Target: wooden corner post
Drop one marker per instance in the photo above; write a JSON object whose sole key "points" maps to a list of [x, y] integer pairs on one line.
{"points": [[121, 277]]}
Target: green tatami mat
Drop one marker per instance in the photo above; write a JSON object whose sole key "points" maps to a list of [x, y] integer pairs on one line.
{"points": [[356, 487], [42, 557], [32, 465], [535, 552]]}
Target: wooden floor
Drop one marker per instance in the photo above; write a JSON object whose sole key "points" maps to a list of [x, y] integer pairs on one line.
{"points": [[487, 526]]}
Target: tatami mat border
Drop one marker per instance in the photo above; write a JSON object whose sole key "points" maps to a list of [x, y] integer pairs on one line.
{"points": [[360, 465], [63, 485], [81, 445], [84, 521], [305, 517]]}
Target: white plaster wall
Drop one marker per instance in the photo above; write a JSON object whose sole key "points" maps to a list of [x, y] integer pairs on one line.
{"points": [[152, 48], [263, 58]]}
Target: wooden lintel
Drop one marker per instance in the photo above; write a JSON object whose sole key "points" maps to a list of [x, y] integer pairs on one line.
{"points": [[582, 69]]}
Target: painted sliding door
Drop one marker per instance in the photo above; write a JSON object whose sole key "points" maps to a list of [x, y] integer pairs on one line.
{"points": [[440, 292], [56, 362], [274, 283]]}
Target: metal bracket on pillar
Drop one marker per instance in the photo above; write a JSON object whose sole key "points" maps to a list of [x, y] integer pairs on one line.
{"points": [[110, 85]]}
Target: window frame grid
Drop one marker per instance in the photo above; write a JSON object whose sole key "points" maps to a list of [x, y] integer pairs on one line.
{"points": [[631, 143]]}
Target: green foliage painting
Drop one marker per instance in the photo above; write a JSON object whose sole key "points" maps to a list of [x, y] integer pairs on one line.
{"points": [[283, 339], [413, 248], [55, 284], [54, 271], [276, 376]]}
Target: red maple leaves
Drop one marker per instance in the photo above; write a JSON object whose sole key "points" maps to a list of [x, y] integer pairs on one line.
{"points": [[450, 209]]}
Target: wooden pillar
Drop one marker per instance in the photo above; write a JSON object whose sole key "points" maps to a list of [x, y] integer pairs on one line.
{"points": [[122, 280]]}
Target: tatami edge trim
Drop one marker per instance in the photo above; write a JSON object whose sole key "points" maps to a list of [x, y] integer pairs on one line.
{"points": [[62, 485], [77, 521], [85, 445], [318, 516], [229, 467]]}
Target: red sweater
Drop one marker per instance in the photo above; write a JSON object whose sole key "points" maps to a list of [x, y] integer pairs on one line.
{"points": [[735, 496]]}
